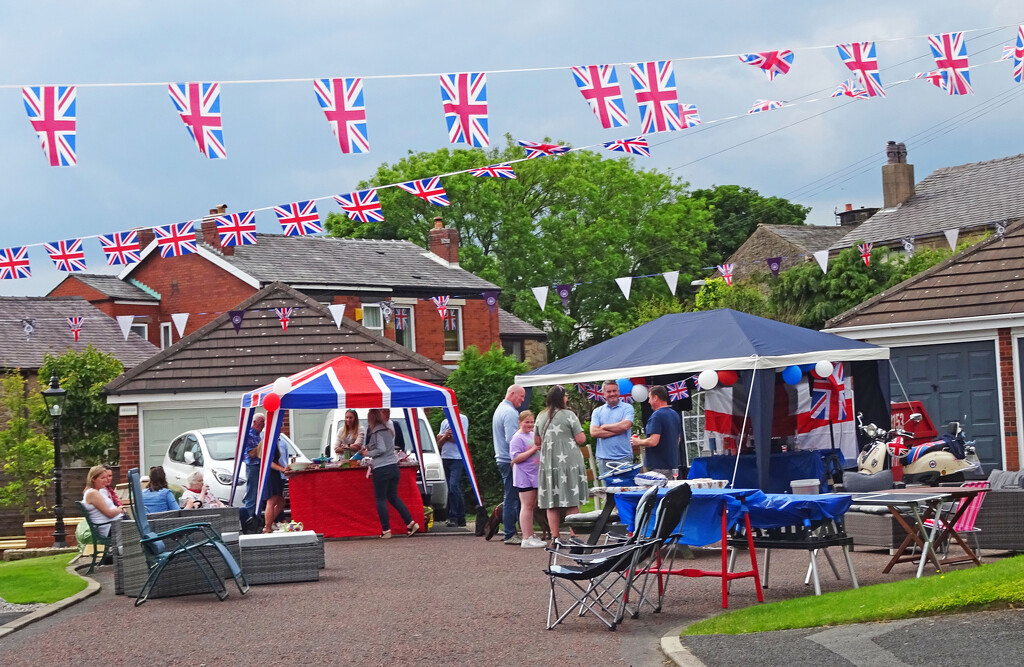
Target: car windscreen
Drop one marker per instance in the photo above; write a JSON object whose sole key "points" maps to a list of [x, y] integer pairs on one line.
{"points": [[222, 446]]}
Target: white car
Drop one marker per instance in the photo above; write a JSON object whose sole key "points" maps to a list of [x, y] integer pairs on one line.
{"points": [[213, 451]]}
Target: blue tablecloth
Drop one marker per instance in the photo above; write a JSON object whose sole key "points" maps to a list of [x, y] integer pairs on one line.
{"points": [[784, 467], [777, 510], [702, 524]]}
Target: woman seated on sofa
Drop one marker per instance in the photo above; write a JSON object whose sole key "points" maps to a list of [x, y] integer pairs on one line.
{"points": [[157, 497], [197, 494]]}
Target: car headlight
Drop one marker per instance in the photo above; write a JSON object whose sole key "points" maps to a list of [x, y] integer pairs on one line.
{"points": [[222, 477]]}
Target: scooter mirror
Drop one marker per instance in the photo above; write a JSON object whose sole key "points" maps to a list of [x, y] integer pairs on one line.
{"points": [[916, 417]]}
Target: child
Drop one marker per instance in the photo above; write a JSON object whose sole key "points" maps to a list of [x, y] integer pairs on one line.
{"points": [[525, 465]]}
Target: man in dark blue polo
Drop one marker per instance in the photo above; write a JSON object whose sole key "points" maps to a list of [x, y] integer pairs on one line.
{"points": [[664, 428]]}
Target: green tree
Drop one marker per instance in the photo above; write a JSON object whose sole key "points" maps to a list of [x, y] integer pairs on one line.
{"points": [[89, 423], [26, 454], [737, 212], [745, 296], [648, 310], [581, 218]]}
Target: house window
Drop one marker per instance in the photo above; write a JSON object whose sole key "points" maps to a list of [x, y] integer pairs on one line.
{"points": [[514, 348], [166, 335], [372, 319], [405, 332], [453, 330], [142, 330]]}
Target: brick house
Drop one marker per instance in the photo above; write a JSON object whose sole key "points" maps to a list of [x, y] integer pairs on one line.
{"points": [[795, 244]]}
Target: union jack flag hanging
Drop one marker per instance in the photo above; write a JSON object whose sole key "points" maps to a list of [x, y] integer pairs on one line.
{"points": [[765, 105], [237, 228], [726, 271], [284, 315], [441, 303], [636, 146], [198, 104], [773, 63], [655, 86], [14, 263], [465, 107], [299, 218], [600, 88], [1016, 52], [177, 239], [936, 78], [688, 115], [121, 247], [851, 88], [451, 321], [865, 252], [534, 149], [862, 59], [494, 171], [343, 104], [401, 319], [677, 391], [75, 324], [363, 206], [950, 52], [594, 393], [51, 110], [828, 396], [67, 255], [427, 189]]}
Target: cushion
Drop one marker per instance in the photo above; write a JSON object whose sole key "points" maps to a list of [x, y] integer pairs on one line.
{"points": [[277, 539], [856, 482], [870, 509], [1002, 480]]}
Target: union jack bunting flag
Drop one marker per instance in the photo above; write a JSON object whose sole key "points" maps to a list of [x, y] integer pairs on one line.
{"points": [[465, 107], [636, 146], [75, 324], [865, 252], [198, 104], [14, 263], [51, 110], [688, 115], [363, 206], [677, 391], [600, 88], [299, 218], [284, 315], [441, 303], [594, 393], [655, 86], [177, 239], [534, 149], [828, 396], [1016, 52], [343, 104], [427, 189], [765, 105], [851, 88], [862, 59], [773, 63], [121, 247], [67, 255], [936, 78], [726, 271], [950, 52], [451, 321], [237, 228], [494, 171], [401, 319]]}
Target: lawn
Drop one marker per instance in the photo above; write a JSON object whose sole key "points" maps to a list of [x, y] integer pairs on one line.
{"points": [[38, 580], [995, 585]]}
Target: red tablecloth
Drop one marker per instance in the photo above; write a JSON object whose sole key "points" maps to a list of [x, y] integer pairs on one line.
{"points": [[339, 502]]}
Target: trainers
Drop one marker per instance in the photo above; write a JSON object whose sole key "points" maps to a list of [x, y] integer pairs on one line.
{"points": [[386, 535], [412, 528], [532, 542], [512, 541]]}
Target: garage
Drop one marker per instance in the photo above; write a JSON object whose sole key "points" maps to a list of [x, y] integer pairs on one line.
{"points": [[160, 426]]}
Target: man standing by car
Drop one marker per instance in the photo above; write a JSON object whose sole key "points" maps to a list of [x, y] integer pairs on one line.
{"points": [[611, 423], [252, 468], [451, 459], [661, 453], [504, 425]]}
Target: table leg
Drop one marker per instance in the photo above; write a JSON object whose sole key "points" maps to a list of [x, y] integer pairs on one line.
{"points": [[912, 536]]}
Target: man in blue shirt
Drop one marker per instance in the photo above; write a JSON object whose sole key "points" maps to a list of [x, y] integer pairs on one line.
{"points": [[611, 423], [504, 425], [664, 428], [252, 468], [451, 459]]}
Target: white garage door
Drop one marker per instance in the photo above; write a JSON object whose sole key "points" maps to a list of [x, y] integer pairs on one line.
{"points": [[161, 426]]}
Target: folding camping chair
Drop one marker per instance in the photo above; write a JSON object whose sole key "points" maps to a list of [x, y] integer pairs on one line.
{"points": [[964, 524], [668, 519]]}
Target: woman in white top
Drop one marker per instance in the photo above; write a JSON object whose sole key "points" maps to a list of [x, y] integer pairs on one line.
{"points": [[97, 503]]}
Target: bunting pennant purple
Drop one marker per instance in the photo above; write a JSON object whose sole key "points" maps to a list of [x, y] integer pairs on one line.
{"points": [[563, 293], [774, 265], [236, 319], [491, 299]]}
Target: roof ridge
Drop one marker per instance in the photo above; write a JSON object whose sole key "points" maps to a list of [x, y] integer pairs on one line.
{"points": [[975, 164]]}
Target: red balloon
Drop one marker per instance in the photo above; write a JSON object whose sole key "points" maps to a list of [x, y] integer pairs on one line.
{"points": [[271, 402], [728, 378]]}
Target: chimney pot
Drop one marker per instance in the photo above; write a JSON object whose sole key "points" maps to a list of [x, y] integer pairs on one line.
{"points": [[438, 222], [444, 241], [849, 207], [209, 230], [897, 175]]}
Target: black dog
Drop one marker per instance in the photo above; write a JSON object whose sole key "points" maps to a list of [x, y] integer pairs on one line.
{"points": [[487, 527]]}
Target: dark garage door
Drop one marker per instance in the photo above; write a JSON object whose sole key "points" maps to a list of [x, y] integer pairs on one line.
{"points": [[954, 380]]}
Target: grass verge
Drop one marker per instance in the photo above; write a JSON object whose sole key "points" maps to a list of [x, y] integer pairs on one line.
{"points": [[38, 580], [995, 585]]}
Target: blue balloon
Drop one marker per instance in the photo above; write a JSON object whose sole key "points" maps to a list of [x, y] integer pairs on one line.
{"points": [[792, 374], [806, 368], [625, 386]]}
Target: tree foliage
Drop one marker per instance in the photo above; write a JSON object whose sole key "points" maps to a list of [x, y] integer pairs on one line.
{"points": [[745, 296], [737, 211], [26, 454], [89, 424]]}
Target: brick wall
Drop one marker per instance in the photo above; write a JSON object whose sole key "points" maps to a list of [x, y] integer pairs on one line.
{"points": [[128, 439], [1009, 387], [73, 487], [72, 286]]}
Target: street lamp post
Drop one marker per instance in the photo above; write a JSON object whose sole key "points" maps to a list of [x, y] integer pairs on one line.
{"points": [[54, 397]]}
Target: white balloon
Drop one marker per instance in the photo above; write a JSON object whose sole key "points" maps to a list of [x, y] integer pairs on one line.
{"points": [[639, 393], [823, 369], [708, 379], [282, 386]]}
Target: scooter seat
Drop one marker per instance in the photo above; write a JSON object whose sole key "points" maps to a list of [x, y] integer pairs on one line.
{"points": [[917, 451]]}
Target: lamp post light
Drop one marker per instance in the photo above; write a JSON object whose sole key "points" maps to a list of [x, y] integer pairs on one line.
{"points": [[54, 397]]}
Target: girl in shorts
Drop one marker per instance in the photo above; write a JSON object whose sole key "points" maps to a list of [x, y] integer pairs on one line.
{"points": [[525, 465]]}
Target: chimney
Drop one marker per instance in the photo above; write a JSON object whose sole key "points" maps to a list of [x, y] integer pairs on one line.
{"points": [[209, 231], [146, 236], [897, 176], [444, 241]]}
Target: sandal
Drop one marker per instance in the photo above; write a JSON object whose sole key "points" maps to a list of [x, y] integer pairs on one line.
{"points": [[412, 528], [386, 535]]}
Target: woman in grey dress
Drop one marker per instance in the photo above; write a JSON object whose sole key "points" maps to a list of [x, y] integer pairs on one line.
{"points": [[563, 474]]}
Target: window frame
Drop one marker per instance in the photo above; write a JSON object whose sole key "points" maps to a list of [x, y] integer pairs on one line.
{"points": [[166, 335], [380, 317], [141, 329], [454, 355]]}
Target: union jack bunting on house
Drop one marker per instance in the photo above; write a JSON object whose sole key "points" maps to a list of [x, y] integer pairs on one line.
{"points": [[451, 321], [636, 146], [465, 107], [427, 189], [284, 315], [299, 218], [362, 206], [494, 171], [655, 86], [51, 110], [237, 228], [534, 149], [851, 88], [441, 303], [677, 391], [1016, 52], [773, 63], [343, 104], [177, 239], [198, 104], [75, 324], [862, 59], [765, 105], [67, 255], [401, 319], [950, 52], [121, 247], [865, 252], [936, 78], [14, 263], [726, 271], [600, 88]]}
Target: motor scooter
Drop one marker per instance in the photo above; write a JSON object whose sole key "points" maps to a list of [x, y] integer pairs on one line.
{"points": [[944, 460]]}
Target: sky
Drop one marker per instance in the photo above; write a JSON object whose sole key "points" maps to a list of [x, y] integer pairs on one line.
{"points": [[137, 166]]}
